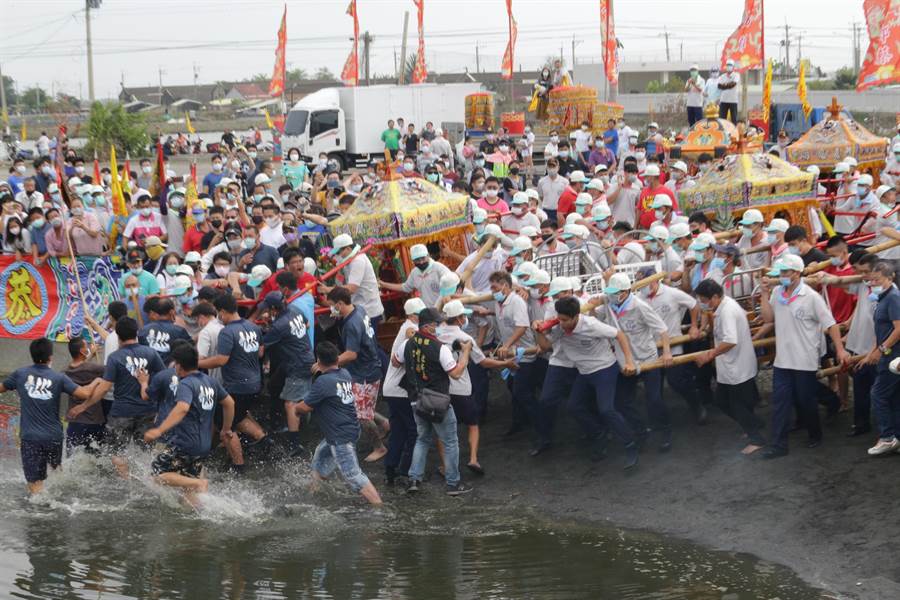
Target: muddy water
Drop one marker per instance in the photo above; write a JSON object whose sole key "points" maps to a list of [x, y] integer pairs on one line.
{"points": [[91, 535]]}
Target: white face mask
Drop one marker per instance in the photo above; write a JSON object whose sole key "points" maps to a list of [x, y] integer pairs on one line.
{"points": [[491, 193], [146, 170]]}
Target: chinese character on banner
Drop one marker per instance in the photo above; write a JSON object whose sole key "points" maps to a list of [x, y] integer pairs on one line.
{"points": [[508, 63], [801, 91], [610, 43], [767, 93], [350, 73], [276, 86], [420, 71], [881, 66], [746, 45]]}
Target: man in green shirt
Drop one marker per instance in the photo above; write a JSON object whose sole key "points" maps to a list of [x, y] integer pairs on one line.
{"points": [[391, 139]]}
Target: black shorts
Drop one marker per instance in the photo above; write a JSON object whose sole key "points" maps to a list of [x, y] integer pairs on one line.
{"points": [[125, 430], [173, 460], [37, 455], [465, 409], [242, 404]]}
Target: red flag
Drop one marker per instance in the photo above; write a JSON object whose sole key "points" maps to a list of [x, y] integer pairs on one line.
{"points": [[508, 63], [746, 46], [420, 71], [881, 65], [276, 86], [350, 73], [97, 180], [609, 40]]}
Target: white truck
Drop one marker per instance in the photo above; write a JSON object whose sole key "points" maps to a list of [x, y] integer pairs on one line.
{"points": [[347, 122]]}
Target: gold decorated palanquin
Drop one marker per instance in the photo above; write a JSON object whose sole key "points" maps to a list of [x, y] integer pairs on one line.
{"points": [[711, 132]]}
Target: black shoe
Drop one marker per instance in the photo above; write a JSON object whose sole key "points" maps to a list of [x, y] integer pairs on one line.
{"points": [[597, 450], [413, 487], [814, 443], [631, 456], [514, 429], [459, 489], [858, 431], [299, 452], [539, 449], [390, 476], [773, 452], [666, 443]]}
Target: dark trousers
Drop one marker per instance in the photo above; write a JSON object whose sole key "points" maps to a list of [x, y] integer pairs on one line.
{"points": [[863, 379], [382, 355], [402, 438], [790, 389], [728, 110], [737, 401], [886, 403], [551, 214], [657, 411], [527, 382], [480, 384], [557, 389], [83, 435], [681, 379], [593, 405], [694, 114]]}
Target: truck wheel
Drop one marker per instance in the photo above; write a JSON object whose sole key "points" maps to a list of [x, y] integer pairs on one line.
{"points": [[339, 159]]}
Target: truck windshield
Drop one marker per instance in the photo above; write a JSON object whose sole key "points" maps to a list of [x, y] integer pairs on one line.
{"points": [[296, 122]]}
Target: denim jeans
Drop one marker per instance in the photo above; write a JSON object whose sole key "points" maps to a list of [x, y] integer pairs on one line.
{"points": [[596, 392], [792, 388], [446, 432], [886, 403], [557, 389], [340, 456], [402, 438]]}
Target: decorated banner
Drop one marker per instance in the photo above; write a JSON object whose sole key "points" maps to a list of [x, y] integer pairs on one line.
{"points": [[188, 124], [24, 130], [508, 64], [746, 45], [610, 43], [767, 93], [350, 72], [44, 301], [801, 91], [881, 66], [420, 71], [276, 85]]}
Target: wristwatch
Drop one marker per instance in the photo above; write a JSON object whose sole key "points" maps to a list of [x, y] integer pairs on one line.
{"points": [[884, 349]]}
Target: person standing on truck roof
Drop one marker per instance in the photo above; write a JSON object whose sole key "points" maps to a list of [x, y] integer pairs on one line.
{"points": [[411, 141], [391, 139]]}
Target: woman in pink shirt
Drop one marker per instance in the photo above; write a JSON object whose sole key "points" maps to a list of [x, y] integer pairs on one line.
{"points": [[490, 199], [84, 229]]}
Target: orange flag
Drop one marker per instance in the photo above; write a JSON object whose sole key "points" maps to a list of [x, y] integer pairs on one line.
{"points": [[508, 64], [746, 46], [609, 40], [276, 86], [881, 65], [350, 73], [420, 71]]}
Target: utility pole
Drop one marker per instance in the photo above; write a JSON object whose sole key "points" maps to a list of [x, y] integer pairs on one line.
{"points": [[401, 72], [574, 43], [857, 31], [477, 59], [4, 115], [395, 59], [665, 34], [681, 52], [786, 44], [799, 50], [560, 52], [160, 70], [367, 41], [196, 82], [88, 5]]}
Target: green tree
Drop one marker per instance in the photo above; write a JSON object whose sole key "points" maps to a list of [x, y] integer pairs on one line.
{"points": [[845, 78], [9, 84], [296, 75], [34, 98], [258, 78], [324, 74], [111, 125]]}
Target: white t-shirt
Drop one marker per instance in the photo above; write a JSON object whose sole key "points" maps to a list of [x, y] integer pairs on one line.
{"points": [[428, 283], [550, 189], [861, 337], [731, 327], [730, 96], [551, 150], [361, 273], [799, 327], [583, 140], [448, 334], [671, 304], [488, 265], [695, 95], [272, 236], [391, 385], [208, 345], [514, 223], [624, 207], [511, 314]]}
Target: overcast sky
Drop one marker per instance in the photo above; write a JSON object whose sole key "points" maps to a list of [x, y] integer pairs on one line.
{"points": [[43, 41]]}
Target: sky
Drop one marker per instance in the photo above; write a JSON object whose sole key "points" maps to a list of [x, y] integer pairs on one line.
{"points": [[143, 41]]}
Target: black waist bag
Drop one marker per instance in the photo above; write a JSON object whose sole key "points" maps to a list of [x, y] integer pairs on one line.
{"points": [[431, 405]]}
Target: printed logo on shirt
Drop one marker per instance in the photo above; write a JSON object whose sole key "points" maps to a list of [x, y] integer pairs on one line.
{"points": [[298, 327], [345, 392], [173, 384], [248, 341], [158, 340], [135, 364], [369, 331], [207, 396], [39, 388]]}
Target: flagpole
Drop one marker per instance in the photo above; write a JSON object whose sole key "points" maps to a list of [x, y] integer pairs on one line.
{"points": [[512, 65]]}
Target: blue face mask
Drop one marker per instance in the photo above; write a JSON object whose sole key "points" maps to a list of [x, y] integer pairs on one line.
{"points": [[874, 292], [602, 225], [653, 247], [499, 296], [793, 250], [699, 256], [717, 263], [784, 281], [620, 306], [836, 261], [771, 238]]}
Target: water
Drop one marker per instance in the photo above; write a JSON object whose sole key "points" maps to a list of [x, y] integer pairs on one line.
{"points": [[91, 535]]}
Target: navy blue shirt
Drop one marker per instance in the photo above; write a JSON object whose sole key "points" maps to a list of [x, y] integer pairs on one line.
{"points": [[263, 255], [239, 341], [159, 336], [289, 339], [121, 368], [358, 336], [161, 390], [39, 388], [886, 312], [193, 434], [331, 399]]}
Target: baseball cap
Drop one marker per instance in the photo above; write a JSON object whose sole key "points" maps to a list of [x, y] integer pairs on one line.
{"points": [[577, 177], [729, 62], [491, 229], [600, 168], [539, 277], [258, 274], [74, 181], [261, 179], [520, 245], [750, 216], [896, 147], [529, 231], [429, 316], [532, 194], [413, 306], [882, 190], [841, 167], [455, 308], [134, 256], [789, 262], [865, 179], [575, 230], [559, 284], [272, 300], [520, 198], [96, 189], [479, 215], [340, 242], [182, 284], [418, 251], [594, 184], [677, 231], [601, 212], [152, 240], [224, 182], [653, 124], [449, 282], [617, 283], [526, 268], [651, 170], [233, 229], [192, 257], [679, 165], [778, 225], [851, 162], [583, 199], [657, 233], [814, 169], [703, 241], [661, 200], [729, 249], [184, 270]]}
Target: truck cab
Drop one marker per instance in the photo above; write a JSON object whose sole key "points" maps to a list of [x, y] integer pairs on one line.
{"points": [[316, 124]]}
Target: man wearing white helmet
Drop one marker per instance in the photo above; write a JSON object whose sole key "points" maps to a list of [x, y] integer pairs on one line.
{"points": [[891, 174], [657, 248], [534, 204], [359, 279], [425, 277], [494, 260], [679, 179], [583, 204], [753, 235], [862, 203], [662, 211], [698, 260], [520, 216]]}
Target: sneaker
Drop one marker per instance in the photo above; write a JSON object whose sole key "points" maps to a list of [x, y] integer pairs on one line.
{"points": [[631, 456], [884, 446], [459, 489], [413, 487]]}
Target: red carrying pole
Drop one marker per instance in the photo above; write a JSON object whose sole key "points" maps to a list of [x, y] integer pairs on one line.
{"points": [[854, 240]]}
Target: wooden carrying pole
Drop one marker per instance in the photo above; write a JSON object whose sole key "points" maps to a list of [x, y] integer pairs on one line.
{"points": [[470, 268], [821, 266], [683, 359]]}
